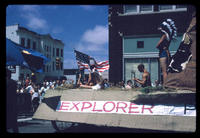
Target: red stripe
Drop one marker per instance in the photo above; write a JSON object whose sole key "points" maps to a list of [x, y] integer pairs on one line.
{"points": [[101, 66], [101, 63]]}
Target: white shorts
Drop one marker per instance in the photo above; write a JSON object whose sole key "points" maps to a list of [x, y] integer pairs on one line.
{"points": [[96, 87]]}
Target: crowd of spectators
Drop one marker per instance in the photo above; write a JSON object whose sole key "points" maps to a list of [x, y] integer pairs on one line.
{"points": [[30, 94]]}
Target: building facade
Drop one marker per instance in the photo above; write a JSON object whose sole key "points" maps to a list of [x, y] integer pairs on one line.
{"points": [[133, 36], [45, 44], [72, 74]]}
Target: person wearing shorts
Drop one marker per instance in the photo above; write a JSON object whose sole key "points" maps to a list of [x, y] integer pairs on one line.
{"points": [[168, 30]]}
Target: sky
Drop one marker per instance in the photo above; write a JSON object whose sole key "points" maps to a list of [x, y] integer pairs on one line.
{"points": [[80, 27]]}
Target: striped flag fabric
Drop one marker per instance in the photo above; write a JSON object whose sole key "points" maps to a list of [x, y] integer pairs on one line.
{"points": [[83, 62], [81, 57], [83, 65], [102, 66]]}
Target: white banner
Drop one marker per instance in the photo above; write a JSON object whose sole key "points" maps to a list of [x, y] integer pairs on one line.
{"points": [[124, 107]]}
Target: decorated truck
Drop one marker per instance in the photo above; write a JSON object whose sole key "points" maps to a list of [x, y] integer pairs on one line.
{"points": [[173, 111]]}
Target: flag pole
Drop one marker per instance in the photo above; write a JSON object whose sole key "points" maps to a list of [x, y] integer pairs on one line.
{"points": [[81, 71]]}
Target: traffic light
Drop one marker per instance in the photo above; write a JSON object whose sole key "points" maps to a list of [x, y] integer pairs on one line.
{"points": [[57, 63]]}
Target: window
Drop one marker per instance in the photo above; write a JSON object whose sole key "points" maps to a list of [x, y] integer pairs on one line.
{"points": [[181, 6], [28, 43], [151, 64], [23, 42], [61, 53], [146, 8], [140, 44], [34, 45], [57, 52], [172, 7], [130, 8], [165, 7]]}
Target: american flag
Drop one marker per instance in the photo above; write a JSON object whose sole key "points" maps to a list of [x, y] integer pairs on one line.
{"points": [[83, 62], [102, 66], [82, 57]]}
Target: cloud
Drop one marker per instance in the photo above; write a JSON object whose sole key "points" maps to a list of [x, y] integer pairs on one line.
{"points": [[94, 40], [57, 30], [36, 22], [84, 47], [31, 13], [97, 36]]}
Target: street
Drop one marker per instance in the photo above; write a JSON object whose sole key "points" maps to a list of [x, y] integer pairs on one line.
{"points": [[36, 126], [29, 125]]}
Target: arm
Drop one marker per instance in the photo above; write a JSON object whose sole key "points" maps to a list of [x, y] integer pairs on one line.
{"points": [[90, 78], [161, 39], [79, 79], [85, 86], [143, 79]]}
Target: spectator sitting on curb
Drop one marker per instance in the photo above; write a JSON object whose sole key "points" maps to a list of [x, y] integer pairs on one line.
{"points": [[122, 85], [129, 85], [106, 85]]}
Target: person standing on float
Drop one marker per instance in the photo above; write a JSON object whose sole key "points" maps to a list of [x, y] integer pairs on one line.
{"points": [[169, 32]]}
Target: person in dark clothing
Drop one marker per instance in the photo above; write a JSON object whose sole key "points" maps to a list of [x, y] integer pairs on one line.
{"points": [[146, 80], [11, 102]]}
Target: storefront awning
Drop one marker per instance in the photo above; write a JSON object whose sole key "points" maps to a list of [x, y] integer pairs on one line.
{"points": [[18, 55]]}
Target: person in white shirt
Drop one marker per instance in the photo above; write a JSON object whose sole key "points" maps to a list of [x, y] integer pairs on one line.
{"points": [[35, 99], [42, 92], [96, 84], [35, 94], [129, 85], [30, 88]]}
